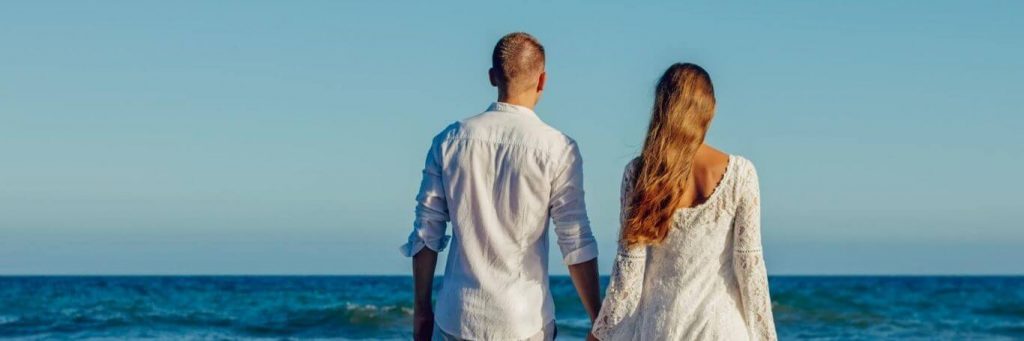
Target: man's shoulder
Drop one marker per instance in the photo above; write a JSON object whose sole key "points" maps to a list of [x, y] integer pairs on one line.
{"points": [[550, 138], [447, 132], [554, 134], [525, 130]]}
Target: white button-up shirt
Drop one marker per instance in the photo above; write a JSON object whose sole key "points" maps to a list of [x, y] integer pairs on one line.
{"points": [[499, 177]]}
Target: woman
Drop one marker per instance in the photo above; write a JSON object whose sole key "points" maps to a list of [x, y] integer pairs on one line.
{"points": [[689, 264]]}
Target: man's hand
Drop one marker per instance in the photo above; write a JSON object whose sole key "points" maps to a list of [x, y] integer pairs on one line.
{"points": [[584, 276], [423, 325]]}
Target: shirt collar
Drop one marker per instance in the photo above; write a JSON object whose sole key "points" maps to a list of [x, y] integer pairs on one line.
{"points": [[510, 108]]}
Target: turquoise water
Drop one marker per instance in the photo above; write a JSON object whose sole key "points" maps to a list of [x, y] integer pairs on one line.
{"points": [[374, 307]]}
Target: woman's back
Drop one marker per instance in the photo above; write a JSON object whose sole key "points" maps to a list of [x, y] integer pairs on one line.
{"points": [[689, 264], [706, 280], [709, 168]]}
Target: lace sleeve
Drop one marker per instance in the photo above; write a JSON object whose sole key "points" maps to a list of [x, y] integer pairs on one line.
{"points": [[624, 288], [748, 260]]}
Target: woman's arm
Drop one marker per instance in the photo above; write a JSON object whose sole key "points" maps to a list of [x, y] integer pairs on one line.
{"points": [[624, 288], [748, 259], [623, 295]]}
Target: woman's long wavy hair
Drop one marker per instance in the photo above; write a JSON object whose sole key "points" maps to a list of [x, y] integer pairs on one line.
{"points": [[684, 103]]}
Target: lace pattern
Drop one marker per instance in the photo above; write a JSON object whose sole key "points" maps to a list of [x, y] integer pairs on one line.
{"points": [[622, 297], [626, 282], [703, 232], [748, 260]]}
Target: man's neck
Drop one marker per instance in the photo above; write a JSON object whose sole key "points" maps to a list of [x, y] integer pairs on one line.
{"points": [[518, 100]]}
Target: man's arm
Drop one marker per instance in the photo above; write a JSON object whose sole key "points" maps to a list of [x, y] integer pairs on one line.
{"points": [[426, 240], [569, 212], [584, 277], [423, 266]]}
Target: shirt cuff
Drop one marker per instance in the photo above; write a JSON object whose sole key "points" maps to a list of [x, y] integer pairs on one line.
{"points": [[417, 243], [582, 254]]}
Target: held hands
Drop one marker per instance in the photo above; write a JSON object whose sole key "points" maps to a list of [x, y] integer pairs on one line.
{"points": [[423, 325]]}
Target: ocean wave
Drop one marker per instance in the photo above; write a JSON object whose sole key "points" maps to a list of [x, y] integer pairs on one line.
{"points": [[370, 307], [4, 319], [347, 318], [573, 324], [344, 314], [1007, 310]]}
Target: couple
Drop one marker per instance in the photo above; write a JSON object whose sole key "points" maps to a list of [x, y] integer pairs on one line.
{"points": [[689, 264]]}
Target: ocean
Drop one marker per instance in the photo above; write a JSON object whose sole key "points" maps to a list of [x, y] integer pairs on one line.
{"points": [[380, 307]]}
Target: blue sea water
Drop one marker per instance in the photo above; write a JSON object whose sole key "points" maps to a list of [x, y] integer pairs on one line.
{"points": [[374, 307]]}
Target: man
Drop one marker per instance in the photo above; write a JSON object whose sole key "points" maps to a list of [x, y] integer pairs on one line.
{"points": [[499, 177]]}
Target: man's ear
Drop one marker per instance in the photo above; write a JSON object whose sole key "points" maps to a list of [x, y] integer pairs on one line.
{"points": [[541, 81], [493, 75]]}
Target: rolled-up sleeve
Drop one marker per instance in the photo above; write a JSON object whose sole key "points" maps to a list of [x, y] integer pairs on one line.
{"points": [[431, 208], [569, 210]]}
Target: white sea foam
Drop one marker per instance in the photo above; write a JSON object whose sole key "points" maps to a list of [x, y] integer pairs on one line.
{"points": [[5, 319]]}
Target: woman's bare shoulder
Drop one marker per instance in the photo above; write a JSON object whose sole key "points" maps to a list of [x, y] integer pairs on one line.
{"points": [[711, 160]]}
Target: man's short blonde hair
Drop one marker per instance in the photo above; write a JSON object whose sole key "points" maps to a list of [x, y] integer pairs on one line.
{"points": [[518, 59]]}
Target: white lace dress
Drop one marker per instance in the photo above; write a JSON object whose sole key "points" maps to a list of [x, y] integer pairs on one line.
{"points": [[707, 281]]}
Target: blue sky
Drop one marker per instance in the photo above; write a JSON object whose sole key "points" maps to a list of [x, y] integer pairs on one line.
{"points": [[288, 137]]}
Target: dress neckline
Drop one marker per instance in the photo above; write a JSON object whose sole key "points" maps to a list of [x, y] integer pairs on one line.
{"points": [[718, 187]]}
